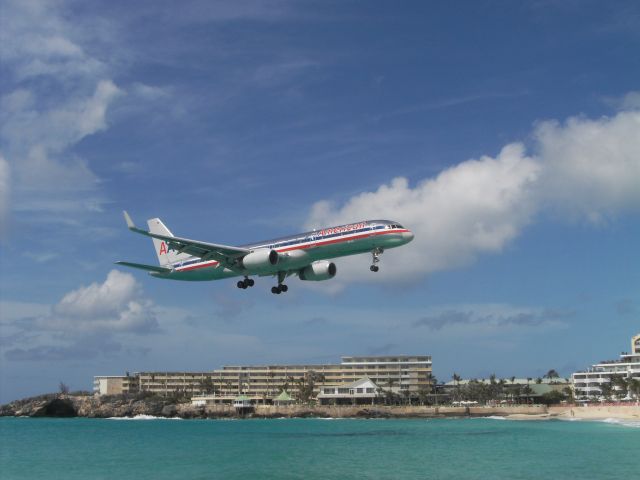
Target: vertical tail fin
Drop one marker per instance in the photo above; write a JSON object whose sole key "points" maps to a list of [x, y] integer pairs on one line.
{"points": [[165, 256]]}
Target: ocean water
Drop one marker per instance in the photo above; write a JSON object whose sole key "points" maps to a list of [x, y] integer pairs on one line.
{"points": [[157, 449]]}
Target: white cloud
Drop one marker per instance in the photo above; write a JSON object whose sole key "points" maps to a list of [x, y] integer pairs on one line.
{"points": [[149, 92], [58, 94], [36, 40], [477, 206], [583, 168], [116, 305], [27, 127], [46, 177], [591, 167], [87, 322], [631, 101]]}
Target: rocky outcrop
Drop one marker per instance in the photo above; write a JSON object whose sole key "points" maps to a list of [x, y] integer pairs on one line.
{"points": [[90, 406], [129, 406], [58, 407]]}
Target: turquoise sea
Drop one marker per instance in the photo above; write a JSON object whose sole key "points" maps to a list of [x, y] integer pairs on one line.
{"points": [[317, 449]]}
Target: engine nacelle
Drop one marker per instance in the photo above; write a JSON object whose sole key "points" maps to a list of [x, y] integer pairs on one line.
{"points": [[320, 270], [260, 259]]}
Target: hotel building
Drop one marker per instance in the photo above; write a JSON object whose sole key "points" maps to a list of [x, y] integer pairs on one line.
{"points": [[587, 384], [406, 374]]}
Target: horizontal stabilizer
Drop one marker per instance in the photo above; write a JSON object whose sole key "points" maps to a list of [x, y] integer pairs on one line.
{"points": [[141, 266]]}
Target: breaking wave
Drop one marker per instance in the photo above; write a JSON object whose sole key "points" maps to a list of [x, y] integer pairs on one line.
{"points": [[144, 417], [622, 421]]}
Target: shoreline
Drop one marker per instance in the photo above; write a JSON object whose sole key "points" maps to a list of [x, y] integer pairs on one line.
{"points": [[127, 407]]}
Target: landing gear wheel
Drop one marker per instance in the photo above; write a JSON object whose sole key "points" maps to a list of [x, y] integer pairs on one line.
{"points": [[280, 288], [375, 253], [242, 284], [250, 282]]}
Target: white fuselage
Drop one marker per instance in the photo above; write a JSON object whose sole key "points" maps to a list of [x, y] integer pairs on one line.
{"points": [[298, 251]]}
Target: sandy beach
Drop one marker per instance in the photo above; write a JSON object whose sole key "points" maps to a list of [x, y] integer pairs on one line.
{"points": [[599, 412]]}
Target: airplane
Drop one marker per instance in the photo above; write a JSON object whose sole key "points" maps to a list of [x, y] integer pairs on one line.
{"points": [[305, 255]]}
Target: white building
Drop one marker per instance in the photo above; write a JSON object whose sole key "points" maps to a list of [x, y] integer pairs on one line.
{"points": [[363, 391], [587, 384]]}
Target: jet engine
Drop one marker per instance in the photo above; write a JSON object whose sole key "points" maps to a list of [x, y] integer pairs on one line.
{"points": [[320, 270], [260, 259]]}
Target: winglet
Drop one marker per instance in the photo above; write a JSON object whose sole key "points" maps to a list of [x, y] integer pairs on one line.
{"points": [[127, 219], [132, 226]]}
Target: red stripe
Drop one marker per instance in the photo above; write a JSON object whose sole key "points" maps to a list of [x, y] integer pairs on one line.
{"points": [[197, 265], [303, 247]]}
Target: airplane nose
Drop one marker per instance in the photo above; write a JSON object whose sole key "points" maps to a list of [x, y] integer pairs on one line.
{"points": [[408, 236]]}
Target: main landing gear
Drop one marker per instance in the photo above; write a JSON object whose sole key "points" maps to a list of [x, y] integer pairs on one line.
{"points": [[247, 282], [375, 253], [281, 288]]}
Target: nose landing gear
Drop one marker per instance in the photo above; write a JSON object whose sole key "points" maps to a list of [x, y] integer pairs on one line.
{"points": [[375, 253]]}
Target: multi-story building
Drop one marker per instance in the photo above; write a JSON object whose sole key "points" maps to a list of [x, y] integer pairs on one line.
{"points": [[588, 384], [399, 373], [114, 384]]}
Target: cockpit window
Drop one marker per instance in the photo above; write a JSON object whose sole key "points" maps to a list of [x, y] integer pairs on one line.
{"points": [[395, 225]]}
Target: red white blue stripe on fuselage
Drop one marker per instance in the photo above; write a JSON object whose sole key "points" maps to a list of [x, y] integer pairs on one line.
{"points": [[300, 250]]}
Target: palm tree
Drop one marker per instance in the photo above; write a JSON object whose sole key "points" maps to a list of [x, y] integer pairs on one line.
{"points": [[389, 395], [270, 375], [527, 391], [513, 381], [456, 381], [634, 387], [606, 389], [552, 374], [619, 384]]}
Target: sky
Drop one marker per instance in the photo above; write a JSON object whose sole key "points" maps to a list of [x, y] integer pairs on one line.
{"points": [[505, 135]]}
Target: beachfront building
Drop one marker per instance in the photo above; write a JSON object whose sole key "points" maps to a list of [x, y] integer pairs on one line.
{"points": [[602, 380], [360, 392], [401, 374], [114, 384]]}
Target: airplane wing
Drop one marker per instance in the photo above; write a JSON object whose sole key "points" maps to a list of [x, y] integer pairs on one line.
{"points": [[207, 251], [142, 266]]}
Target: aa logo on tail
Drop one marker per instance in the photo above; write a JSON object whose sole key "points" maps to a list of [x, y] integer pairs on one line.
{"points": [[163, 248]]}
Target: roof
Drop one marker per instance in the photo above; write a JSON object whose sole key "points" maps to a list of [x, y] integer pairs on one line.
{"points": [[283, 397], [364, 382]]}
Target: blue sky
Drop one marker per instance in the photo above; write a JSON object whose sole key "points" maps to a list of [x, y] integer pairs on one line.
{"points": [[506, 135]]}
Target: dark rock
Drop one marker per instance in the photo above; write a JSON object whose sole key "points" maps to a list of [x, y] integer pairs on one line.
{"points": [[60, 407], [169, 411]]}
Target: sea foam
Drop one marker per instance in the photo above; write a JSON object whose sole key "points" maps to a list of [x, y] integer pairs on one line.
{"points": [[622, 421], [144, 417]]}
